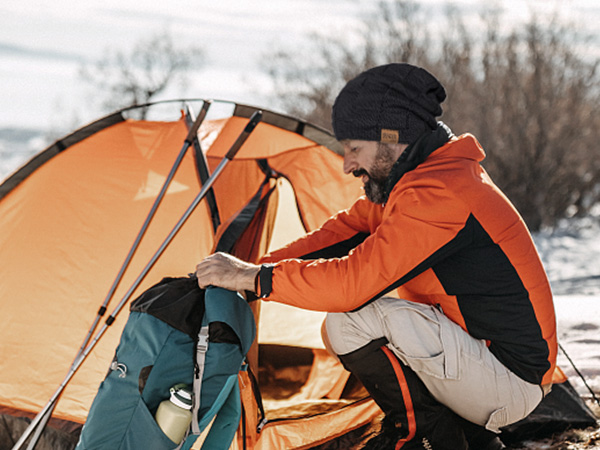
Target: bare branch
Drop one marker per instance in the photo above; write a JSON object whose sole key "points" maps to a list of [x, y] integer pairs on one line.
{"points": [[134, 78]]}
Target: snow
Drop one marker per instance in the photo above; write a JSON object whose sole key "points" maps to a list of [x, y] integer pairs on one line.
{"points": [[571, 254], [578, 320]]}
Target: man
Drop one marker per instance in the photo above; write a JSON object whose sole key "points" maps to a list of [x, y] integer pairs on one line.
{"points": [[470, 345]]}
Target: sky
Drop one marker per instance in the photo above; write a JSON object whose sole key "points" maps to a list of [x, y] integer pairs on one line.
{"points": [[42, 47], [44, 44]]}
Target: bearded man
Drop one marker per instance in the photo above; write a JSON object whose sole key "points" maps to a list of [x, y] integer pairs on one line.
{"points": [[468, 344]]}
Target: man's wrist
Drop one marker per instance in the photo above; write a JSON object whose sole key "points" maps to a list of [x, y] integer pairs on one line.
{"points": [[264, 283], [249, 277], [261, 284]]}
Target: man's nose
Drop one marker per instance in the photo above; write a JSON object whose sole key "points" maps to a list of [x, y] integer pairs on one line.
{"points": [[349, 165]]}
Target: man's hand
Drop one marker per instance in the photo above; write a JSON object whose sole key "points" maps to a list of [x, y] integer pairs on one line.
{"points": [[226, 271]]}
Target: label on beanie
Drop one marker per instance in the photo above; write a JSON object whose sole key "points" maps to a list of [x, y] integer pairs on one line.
{"points": [[389, 136]]}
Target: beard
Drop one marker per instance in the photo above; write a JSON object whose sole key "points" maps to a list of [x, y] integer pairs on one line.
{"points": [[376, 184]]}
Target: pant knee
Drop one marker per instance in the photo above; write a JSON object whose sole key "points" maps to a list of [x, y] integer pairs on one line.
{"points": [[330, 332], [326, 341], [346, 332]]}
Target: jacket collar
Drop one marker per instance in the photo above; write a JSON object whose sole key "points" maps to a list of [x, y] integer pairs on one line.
{"points": [[416, 153]]}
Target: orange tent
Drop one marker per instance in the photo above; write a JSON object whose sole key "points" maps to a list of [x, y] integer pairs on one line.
{"points": [[69, 217]]}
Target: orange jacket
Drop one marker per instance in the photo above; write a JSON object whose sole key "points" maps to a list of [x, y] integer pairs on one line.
{"points": [[447, 236]]}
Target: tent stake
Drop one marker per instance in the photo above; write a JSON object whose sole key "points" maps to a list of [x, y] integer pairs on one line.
{"points": [[82, 355]]}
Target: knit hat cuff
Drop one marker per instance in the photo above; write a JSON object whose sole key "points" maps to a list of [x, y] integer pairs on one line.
{"points": [[403, 133]]}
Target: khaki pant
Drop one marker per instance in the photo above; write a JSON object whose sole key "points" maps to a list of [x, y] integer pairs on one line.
{"points": [[459, 370]]}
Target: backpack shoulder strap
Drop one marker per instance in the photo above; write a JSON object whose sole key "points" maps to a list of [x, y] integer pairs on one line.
{"points": [[229, 307], [201, 349], [225, 411]]}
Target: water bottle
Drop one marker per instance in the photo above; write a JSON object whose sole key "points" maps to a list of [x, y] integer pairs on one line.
{"points": [[174, 415]]}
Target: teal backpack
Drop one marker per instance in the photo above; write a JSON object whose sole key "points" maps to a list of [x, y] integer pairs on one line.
{"points": [[176, 334]]}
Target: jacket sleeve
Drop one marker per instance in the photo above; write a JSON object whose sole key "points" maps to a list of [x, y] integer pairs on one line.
{"points": [[336, 237], [417, 223]]}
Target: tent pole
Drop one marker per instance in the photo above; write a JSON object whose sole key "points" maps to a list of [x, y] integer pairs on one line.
{"points": [[191, 136], [81, 356], [40, 428], [256, 117], [203, 172], [187, 143]]}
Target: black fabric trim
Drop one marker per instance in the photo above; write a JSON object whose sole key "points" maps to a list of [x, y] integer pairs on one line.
{"points": [[203, 176], [268, 170], [265, 279], [242, 220], [179, 302], [372, 367], [470, 267], [416, 153], [250, 296], [357, 355], [461, 240], [265, 168], [258, 399], [220, 332], [300, 128], [143, 378], [495, 304], [41, 158], [338, 249], [316, 134]]}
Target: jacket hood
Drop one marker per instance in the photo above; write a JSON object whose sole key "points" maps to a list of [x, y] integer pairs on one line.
{"points": [[464, 146]]}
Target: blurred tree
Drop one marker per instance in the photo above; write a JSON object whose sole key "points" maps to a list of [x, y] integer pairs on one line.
{"points": [[135, 78], [526, 93], [306, 82], [539, 121]]}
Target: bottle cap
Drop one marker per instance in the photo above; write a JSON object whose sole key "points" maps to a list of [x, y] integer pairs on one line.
{"points": [[181, 397]]}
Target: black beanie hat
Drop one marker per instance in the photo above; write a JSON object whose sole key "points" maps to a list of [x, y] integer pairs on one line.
{"points": [[394, 103]]}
